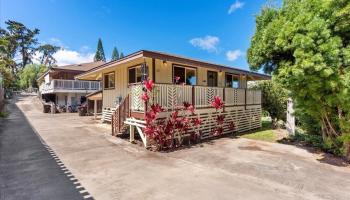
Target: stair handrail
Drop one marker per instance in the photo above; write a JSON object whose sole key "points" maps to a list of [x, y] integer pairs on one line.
{"points": [[120, 114]]}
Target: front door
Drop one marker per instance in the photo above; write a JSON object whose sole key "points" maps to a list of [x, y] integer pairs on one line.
{"points": [[212, 78]]}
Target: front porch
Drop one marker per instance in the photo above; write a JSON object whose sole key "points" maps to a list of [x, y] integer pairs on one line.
{"points": [[242, 106]]}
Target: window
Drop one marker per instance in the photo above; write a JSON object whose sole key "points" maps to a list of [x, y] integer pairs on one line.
{"points": [[135, 75], [212, 78], [109, 81], [232, 81], [186, 75]]}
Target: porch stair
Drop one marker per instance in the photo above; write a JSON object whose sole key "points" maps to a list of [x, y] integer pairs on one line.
{"points": [[120, 114], [107, 114]]}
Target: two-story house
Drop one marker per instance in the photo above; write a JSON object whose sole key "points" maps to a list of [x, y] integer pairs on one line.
{"points": [[58, 85]]}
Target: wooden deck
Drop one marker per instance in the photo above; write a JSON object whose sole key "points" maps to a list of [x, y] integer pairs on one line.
{"points": [[242, 106], [171, 96]]}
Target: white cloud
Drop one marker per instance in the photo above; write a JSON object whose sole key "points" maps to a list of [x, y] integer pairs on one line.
{"points": [[57, 42], [207, 43], [84, 48], [67, 57], [234, 55], [235, 6]]}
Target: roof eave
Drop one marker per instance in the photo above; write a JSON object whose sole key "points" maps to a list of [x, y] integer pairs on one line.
{"points": [[109, 64], [159, 55]]}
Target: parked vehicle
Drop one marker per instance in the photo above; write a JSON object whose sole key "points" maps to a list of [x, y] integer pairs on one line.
{"points": [[82, 109]]}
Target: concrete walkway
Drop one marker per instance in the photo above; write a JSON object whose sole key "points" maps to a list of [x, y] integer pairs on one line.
{"points": [[111, 168], [27, 169]]}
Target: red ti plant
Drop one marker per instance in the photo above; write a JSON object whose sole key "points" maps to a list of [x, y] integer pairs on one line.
{"points": [[218, 104], [169, 132], [148, 84]]}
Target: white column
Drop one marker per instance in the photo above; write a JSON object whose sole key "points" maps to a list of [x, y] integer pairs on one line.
{"points": [[95, 108], [290, 124], [69, 99], [132, 133]]}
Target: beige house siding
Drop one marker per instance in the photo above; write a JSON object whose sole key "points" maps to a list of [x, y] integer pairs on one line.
{"points": [[163, 74], [111, 96]]}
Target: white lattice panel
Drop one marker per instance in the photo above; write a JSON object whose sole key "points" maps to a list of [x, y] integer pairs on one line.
{"points": [[135, 98], [244, 119], [171, 96], [205, 95]]}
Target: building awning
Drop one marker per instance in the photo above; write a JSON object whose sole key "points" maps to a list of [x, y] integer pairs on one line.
{"points": [[95, 95]]}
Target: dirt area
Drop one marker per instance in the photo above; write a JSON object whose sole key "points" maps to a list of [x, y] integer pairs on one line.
{"points": [[226, 168], [281, 133]]}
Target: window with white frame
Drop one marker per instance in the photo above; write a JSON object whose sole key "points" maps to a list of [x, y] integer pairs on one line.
{"points": [[109, 80], [135, 74], [232, 80], [187, 75]]}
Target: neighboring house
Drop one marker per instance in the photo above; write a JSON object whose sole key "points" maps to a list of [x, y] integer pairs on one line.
{"points": [[59, 86], [122, 89]]}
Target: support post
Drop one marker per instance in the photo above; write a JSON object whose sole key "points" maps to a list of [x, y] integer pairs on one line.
{"points": [[95, 109], [224, 98], [132, 133], [245, 99], [113, 125], [118, 122], [193, 96]]}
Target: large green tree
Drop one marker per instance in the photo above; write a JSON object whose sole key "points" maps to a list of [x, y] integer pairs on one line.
{"points": [[100, 53], [23, 41], [6, 62], [115, 54], [18, 45], [29, 75], [47, 51], [305, 44]]}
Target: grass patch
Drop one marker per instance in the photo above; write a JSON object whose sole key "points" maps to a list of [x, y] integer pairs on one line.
{"points": [[4, 114], [264, 135], [266, 123]]}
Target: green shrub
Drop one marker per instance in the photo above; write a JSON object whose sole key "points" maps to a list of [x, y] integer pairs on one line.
{"points": [[337, 146], [312, 140], [3, 114], [307, 122], [305, 45], [274, 100]]}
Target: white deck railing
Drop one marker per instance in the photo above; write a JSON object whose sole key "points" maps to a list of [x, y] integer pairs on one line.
{"points": [[171, 96], [56, 84]]}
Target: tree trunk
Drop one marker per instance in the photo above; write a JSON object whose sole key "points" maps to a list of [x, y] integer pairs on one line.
{"points": [[327, 128]]}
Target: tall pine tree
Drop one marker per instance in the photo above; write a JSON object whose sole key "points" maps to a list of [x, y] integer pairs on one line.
{"points": [[115, 54], [121, 55], [100, 54]]}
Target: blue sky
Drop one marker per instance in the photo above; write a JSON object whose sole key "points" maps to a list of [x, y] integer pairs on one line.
{"points": [[212, 30]]}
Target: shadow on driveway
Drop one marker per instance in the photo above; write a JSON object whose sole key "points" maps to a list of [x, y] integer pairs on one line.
{"points": [[28, 168]]}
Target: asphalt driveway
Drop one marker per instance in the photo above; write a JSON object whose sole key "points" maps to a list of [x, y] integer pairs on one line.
{"points": [[111, 168], [28, 168]]}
